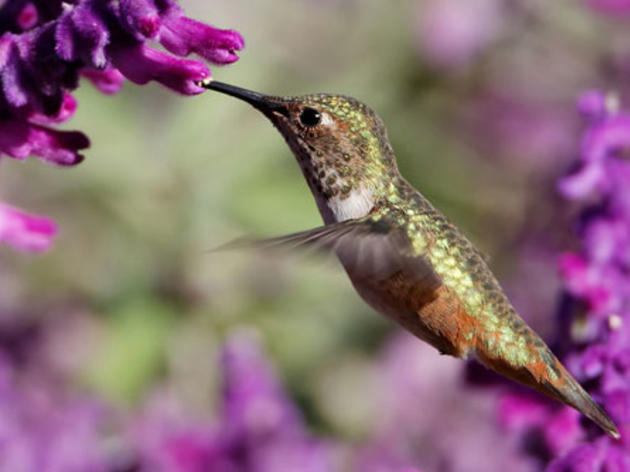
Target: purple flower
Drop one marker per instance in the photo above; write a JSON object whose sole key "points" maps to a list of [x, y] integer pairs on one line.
{"points": [[596, 278], [108, 81], [262, 429], [25, 232], [43, 427], [254, 402], [20, 139], [592, 105], [184, 36], [605, 137], [45, 47], [562, 430], [142, 64], [259, 428], [582, 459], [521, 411], [165, 438]]}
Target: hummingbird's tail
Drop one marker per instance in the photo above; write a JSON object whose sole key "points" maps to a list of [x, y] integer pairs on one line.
{"points": [[547, 375], [567, 390]]}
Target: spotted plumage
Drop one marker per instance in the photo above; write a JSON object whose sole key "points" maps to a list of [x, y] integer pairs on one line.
{"points": [[401, 254]]}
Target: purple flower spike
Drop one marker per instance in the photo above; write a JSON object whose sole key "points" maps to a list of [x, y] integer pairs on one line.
{"points": [[183, 36], [259, 429], [596, 281], [25, 232], [142, 64], [254, 401]]}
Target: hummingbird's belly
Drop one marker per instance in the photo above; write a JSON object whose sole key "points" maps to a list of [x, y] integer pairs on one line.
{"points": [[431, 314]]}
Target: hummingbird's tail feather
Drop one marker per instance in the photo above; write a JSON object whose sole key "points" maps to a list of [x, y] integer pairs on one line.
{"points": [[566, 389], [559, 384]]}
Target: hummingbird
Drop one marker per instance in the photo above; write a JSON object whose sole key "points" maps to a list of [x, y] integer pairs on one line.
{"points": [[402, 255]]}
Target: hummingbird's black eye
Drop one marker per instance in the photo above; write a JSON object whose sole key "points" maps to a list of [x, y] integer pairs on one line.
{"points": [[310, 117]]}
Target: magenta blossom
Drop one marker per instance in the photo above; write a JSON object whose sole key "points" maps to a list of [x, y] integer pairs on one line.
{"points": [[259, 430], [44, 426], [25, 232], [46, 46], [596, 305]]}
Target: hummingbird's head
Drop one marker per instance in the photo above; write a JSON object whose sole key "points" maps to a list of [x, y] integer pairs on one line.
{"points": [[340, 144]]}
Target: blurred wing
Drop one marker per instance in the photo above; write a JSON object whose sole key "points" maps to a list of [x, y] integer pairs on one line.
{"points": [[366, 247]]}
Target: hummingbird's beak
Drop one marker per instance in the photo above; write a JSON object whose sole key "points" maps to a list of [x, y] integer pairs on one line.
{"points": [[262, 102]]}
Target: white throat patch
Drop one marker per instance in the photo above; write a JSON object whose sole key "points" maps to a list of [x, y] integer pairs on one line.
{"points": [[357, 204]]}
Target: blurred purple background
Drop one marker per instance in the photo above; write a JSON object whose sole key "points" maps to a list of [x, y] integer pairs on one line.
{"points": [[126, 346]]}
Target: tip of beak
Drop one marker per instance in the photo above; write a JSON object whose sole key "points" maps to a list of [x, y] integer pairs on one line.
{"points": [[205, 83], [250, 96]]}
